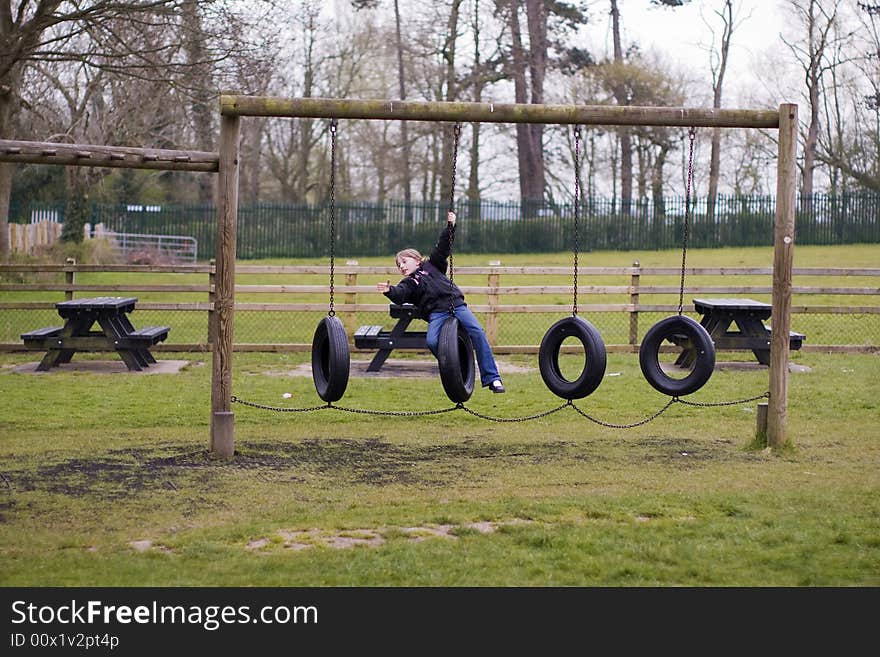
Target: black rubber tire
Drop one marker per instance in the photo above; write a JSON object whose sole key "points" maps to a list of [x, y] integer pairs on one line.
{"points": [[595, 358], [330, 359], [455, 355], [649, 356]]}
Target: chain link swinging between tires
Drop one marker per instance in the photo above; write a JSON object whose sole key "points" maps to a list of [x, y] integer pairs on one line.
{"points": [[326, 346]]}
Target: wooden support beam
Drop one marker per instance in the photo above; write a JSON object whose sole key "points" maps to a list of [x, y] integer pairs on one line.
{"points": [[783, 257], [410, 110], [120, 157], [222, 421]]}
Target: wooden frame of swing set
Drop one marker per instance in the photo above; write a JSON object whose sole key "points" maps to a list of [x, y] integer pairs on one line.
{"points": [[226, 163]]}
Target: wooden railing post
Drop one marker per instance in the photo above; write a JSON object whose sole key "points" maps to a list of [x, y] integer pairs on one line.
{"points": [[69, 278], [492, 320], [634, 300], [349, 317]]}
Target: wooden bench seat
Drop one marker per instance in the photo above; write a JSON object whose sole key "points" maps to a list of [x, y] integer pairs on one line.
{"points": [[732, 341], [375, 337], [363, 337], [151, 334], [42, 333]]}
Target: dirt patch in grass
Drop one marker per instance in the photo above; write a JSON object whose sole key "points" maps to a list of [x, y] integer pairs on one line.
{"points": [[118, 474]]}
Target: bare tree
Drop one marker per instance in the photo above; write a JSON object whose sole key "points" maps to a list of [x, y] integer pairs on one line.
{"points": [[451, 93], [198, 79], [816, 18], [850, 144], [718, 67], [527, 68], [139, 39], [624, 136], [406, 146]]}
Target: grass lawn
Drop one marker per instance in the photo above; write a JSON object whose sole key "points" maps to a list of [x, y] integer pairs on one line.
{"points": [[107, 481]]}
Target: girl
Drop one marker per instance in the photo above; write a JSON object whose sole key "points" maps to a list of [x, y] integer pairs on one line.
{"points": [[426, 286]]}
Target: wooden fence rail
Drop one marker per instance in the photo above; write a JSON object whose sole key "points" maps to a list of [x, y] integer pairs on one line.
{"points": [[632, 298]]}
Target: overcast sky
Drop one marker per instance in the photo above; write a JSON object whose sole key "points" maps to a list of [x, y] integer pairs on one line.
{"points": [[685, 35]]}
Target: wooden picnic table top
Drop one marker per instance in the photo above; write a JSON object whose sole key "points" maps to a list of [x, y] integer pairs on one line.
{"points": [[96, 304], [703, 306]]}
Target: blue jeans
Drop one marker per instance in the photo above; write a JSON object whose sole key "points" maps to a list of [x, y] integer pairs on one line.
{"points": [[485, 359]]}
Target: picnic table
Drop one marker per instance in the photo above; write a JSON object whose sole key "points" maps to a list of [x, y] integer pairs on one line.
{"points": [[748, 315], [376, 337], [116, 333]]}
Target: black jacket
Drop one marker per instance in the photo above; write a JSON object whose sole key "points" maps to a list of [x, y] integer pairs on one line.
{"points": [[428, 287]]}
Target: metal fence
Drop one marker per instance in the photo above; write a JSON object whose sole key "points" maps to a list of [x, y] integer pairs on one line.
{"points": [[276, 230], [133, 247]]}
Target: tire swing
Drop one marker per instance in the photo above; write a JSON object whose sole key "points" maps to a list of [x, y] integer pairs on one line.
{"points": [[330, 352], [455, 351], [594, 348], [455, 356], [679, 325]]}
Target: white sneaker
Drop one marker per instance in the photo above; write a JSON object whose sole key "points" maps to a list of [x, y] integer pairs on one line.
{"points": [[496, 386]]}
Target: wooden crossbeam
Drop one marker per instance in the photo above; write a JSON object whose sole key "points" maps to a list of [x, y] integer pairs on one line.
{"points": [[124, 157]]}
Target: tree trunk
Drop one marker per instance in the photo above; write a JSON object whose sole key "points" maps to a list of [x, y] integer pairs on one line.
{"points": [[200, 103], [404, 132], [473, 188], [626, 163], [817, 43], [657, 193], [520, 96], [447, 157], [529, 137], [7, 94], [76, 212], [812, 138], [715, 155], [536, 12]]}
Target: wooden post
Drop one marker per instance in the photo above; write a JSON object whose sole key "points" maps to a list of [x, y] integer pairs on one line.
{"points": [[222, 421], [69, 278], [349, 318], [492, 320], [783, 256], [634, 300], [761, 423]]}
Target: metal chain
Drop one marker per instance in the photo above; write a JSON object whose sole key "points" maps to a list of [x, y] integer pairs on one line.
{"points": [[692, 133], [514, 419], [333, 124], [630, 425], [577, 212], [394, 413], [280, 409], [456, 135], [330, 405], [734, 402], [483, 416]]}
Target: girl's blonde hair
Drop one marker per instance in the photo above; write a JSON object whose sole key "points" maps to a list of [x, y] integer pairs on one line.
{"points": [[408, 253]]}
